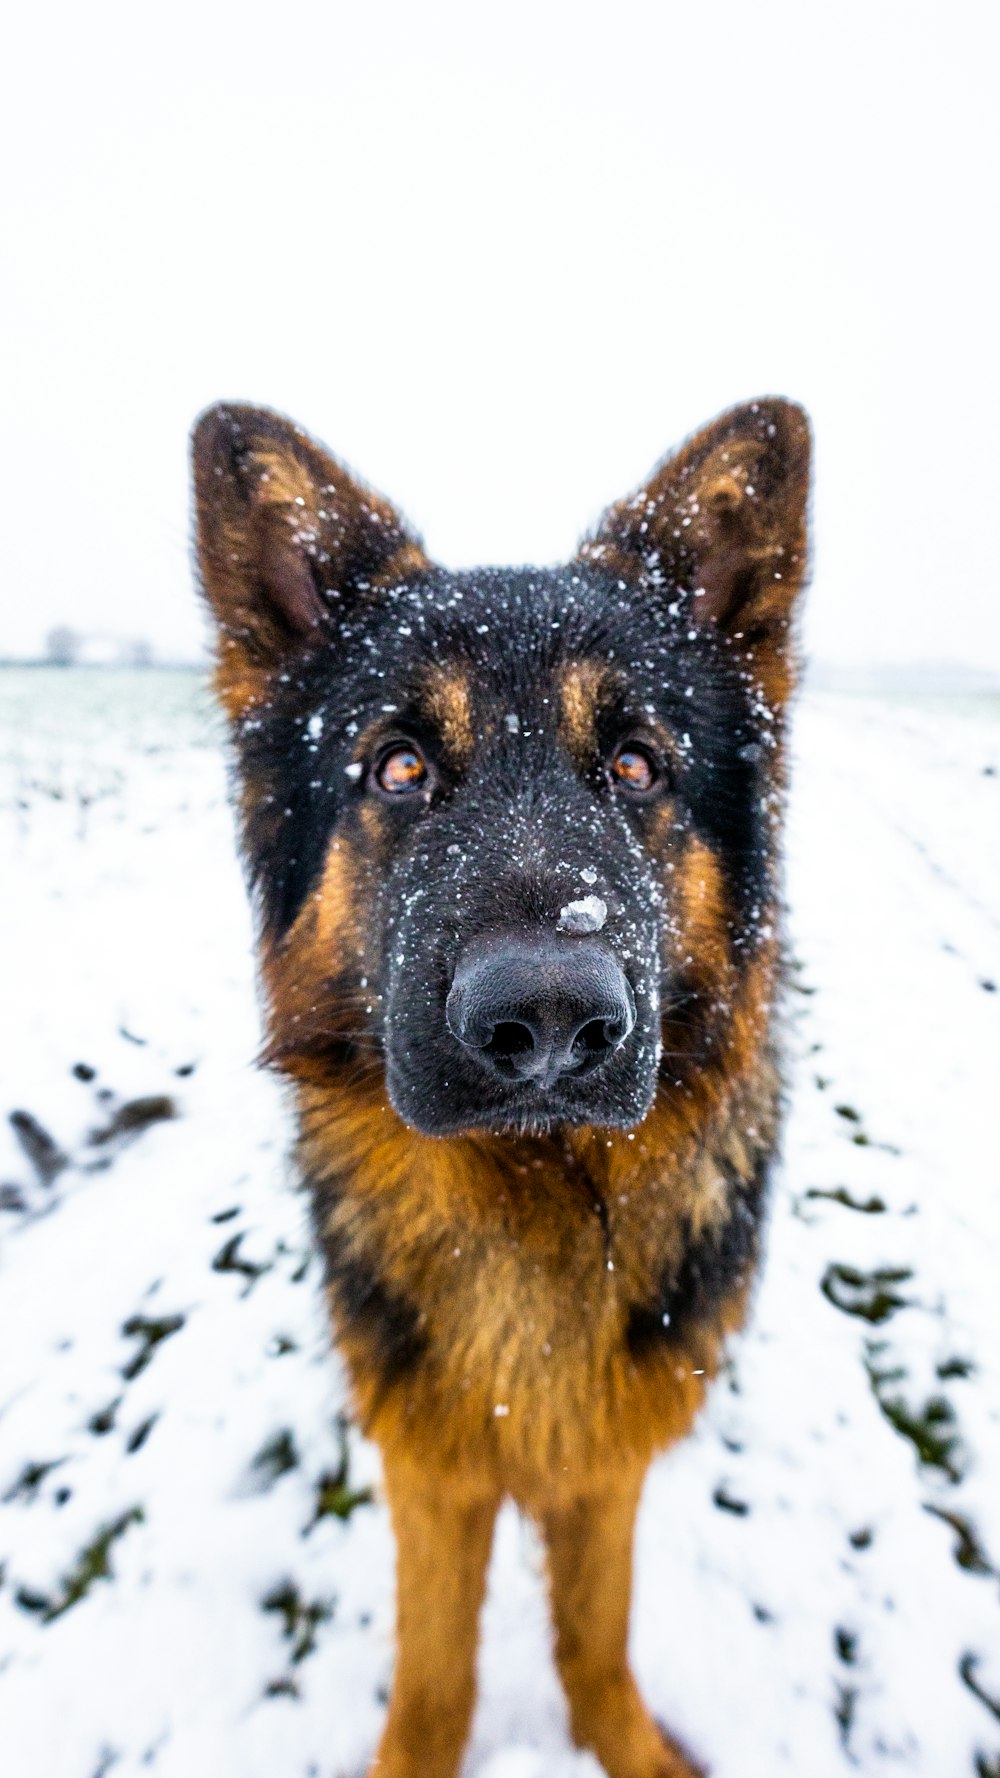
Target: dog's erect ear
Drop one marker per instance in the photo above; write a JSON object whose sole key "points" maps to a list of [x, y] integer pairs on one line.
{"points": [[285, 538], [721, 526]]}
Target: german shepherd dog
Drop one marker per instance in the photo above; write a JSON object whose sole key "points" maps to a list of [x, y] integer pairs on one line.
{"points": [[513, 840]]}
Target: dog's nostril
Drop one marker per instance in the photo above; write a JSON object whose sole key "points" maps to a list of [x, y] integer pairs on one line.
{"points": [[509, 1040], [596, 1037]]}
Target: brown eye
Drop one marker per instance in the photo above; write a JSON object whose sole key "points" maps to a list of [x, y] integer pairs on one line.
{"points": [[634, 769], [400, 770]]}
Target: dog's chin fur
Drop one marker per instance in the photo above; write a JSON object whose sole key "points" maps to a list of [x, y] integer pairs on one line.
{"points": [[526, 1115], [520, 1124]]}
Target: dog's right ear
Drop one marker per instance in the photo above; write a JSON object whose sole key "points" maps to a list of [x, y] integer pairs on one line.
{"points": [[286, 538]]}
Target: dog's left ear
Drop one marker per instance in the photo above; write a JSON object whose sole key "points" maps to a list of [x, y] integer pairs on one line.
{"points": [[721, 527], [287, 540]]}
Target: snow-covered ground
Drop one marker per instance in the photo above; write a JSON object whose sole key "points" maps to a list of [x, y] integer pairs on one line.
{"points": [[196, 1577]]}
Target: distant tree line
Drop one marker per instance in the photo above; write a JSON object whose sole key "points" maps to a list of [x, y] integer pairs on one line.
{"points": [[66, 647]]}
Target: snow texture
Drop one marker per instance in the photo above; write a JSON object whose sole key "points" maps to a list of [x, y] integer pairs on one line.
{"points": [[197, 1571], [586, 915]]}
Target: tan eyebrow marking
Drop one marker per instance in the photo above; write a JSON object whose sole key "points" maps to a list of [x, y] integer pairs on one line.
{"points": [[587, 689], [448, 703], [580, 690]]}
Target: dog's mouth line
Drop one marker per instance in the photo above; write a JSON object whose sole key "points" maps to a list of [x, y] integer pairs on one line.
{"points": [[536, 1124]]}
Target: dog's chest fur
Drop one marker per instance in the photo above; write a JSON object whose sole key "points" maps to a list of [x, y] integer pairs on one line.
{"points": [[530, 1307]]}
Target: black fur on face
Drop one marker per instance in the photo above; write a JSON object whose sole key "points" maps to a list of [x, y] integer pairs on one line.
{"points": [[515, 690]]}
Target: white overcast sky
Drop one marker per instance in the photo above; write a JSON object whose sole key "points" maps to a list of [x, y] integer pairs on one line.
{"points": [[500, 258]]}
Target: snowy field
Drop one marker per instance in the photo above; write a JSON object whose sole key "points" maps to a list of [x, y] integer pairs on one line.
{"points": [[196, 1569]]}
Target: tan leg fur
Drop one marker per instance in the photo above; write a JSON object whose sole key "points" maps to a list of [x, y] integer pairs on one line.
{"points": [[589, 1545], [443, 1541]]}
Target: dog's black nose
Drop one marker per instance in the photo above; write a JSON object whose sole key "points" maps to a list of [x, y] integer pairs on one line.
{"points": [[538, 1008]]}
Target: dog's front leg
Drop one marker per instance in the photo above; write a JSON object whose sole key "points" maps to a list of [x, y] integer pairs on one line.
{"points": [[444, 1532], [589, 1544]]}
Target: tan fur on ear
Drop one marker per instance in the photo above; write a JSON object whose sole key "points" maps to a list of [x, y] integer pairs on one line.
{"points": [[722, 524], [285, 536]]}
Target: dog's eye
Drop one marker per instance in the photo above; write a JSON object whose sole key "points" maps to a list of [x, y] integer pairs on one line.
{"points": [[634, 769], [400, 770]]}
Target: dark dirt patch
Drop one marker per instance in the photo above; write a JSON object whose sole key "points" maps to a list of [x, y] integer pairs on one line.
{"points": [[873, 1206], [299, 1620], [931, 1430], [871, 1295], [956, 1367], [969, 1552], [135, 1116], [41, 1148], [31, 1478], [848, 1112], [843, 1712], [230, 1259], [967, 1668], [728, 1503], [137, 1439], [92, 1564], [282, 1688], [150, 1331], [104, 1420], [274, 1459], [335, 1497]]}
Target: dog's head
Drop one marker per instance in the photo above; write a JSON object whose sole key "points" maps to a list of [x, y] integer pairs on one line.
{"points": [[511, 832]]}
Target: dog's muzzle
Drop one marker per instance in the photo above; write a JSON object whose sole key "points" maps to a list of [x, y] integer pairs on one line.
{"points": [[536, 1009]]}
